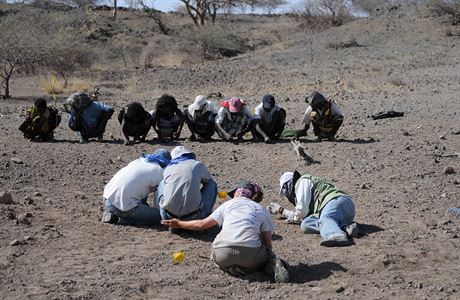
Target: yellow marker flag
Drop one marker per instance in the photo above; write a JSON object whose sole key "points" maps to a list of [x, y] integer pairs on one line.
{"points": [[53, 82], [222, 194], [178, 257]]}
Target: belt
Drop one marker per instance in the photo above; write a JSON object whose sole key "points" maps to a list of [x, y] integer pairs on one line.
{"points": [[189, 215]]}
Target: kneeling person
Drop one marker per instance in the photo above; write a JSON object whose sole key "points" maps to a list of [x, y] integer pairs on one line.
{"points": [[245, 241], [125, 196]]}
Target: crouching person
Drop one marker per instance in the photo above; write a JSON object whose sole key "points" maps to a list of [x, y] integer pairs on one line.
{"points": [[270, 119], [135, 122], [233, 120], [40, 122], [188, 191], [320, 208], [245, 242], [168, 120], [125, 196], [200, 117], [325, 116], [87, 116]]}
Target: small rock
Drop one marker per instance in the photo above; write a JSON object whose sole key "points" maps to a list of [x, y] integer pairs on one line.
{"points": [[16, 160], [28, 215], [316, 289], [15, 243], [340, 289], [364, 186], [29, 200], [442, 137], [119, 158], [448, 170], [455, 236], [22, 219], [11, 215], [443, 195], [37, 194], [28, 238], [6, 198]]}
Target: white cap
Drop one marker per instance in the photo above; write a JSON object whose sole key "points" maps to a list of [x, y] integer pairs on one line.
{"points": [[179, 151], [287, 176], [200, 100]]}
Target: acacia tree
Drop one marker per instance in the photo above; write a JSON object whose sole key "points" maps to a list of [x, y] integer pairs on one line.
{"points": [[18, 48], [155, 15]]}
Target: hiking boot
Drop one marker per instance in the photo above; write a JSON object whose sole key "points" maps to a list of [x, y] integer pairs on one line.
{"points": [[352, 230], [109, 218], [332, 139], [280, 270], [337, 240], [318, 139], [83, 141], [100, 138]]}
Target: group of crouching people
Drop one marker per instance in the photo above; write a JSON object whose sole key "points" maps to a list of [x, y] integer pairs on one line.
{"points": [[184, 194], [231, 119]]}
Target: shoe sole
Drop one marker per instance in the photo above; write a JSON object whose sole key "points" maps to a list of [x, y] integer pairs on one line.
{"points": [[281, 273], [336, 243], [352, 230]]}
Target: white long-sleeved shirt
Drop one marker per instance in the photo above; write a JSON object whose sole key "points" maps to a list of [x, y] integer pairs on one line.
{"points": [[303, 195]]}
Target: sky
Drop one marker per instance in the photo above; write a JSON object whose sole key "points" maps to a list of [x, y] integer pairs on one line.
{"points": [[170, 5]]}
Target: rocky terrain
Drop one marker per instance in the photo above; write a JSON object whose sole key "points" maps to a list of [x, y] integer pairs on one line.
{"points": [[53, 245]]}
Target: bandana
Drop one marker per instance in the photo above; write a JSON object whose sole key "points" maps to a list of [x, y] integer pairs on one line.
{"points": [[249, 190], [161, 157]]}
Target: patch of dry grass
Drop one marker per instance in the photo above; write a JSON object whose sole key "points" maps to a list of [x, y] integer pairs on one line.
{"points": [[51, 87], [80, 85]]}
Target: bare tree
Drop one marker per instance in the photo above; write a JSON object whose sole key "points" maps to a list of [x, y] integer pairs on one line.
{"points": [[197, 10], [155, 15], [18, 48]]}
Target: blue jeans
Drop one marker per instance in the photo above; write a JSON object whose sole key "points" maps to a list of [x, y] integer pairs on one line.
{"points": [[338, 213], [208, 198], [141, 215]]}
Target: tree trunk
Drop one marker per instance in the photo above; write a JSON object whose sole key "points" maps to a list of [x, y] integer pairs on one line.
{"points": [[7, 87], [114, 11]]}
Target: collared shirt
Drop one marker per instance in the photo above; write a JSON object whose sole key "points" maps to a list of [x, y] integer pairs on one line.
{"points": [[182, 184], [233, 123]]}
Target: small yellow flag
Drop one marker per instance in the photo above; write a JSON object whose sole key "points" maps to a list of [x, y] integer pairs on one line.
{"points": [[222, 194], [178, 257]]}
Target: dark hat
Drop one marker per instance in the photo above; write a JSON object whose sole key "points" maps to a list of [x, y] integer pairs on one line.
{"points": [[268, 101], [315, 99], [40, 103]]}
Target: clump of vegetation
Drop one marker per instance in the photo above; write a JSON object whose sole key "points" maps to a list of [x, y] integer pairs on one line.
{"points": [[341, 45]]}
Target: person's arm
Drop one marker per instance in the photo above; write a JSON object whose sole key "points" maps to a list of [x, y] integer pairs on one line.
{"points": [[306, 120], [224, 133], [181, 116], [124, 134], [266, 237], [303, 193], [202, 224]]}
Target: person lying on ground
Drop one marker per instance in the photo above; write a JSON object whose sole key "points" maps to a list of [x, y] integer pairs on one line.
{"points": [[40, 122], [125, 196], [320, 207], [135, 122], [168, 120], [270, 119], [87, 116], [233, 119], [244, 243], [188, 191], [325, 116], [200, 117]]}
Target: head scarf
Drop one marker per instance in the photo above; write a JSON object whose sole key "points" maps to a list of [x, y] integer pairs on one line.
{"points": [[287, 185], [160, 156]]}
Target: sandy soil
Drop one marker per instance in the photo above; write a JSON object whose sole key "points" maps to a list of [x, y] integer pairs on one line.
{"points": [[409, 248]]}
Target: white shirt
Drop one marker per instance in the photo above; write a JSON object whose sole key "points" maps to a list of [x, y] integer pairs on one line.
{"points": [[242, 221], [130, 185], [261, 114], [303, 195], [224, 113], [335, 111]]}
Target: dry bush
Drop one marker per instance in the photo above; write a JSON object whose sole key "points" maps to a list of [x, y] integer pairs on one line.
{"points": [[447, 7], [51, 87]]}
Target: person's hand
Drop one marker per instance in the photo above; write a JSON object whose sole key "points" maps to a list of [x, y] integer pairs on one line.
{"points": [[173, 223], [275, 208], [228, 137]]}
